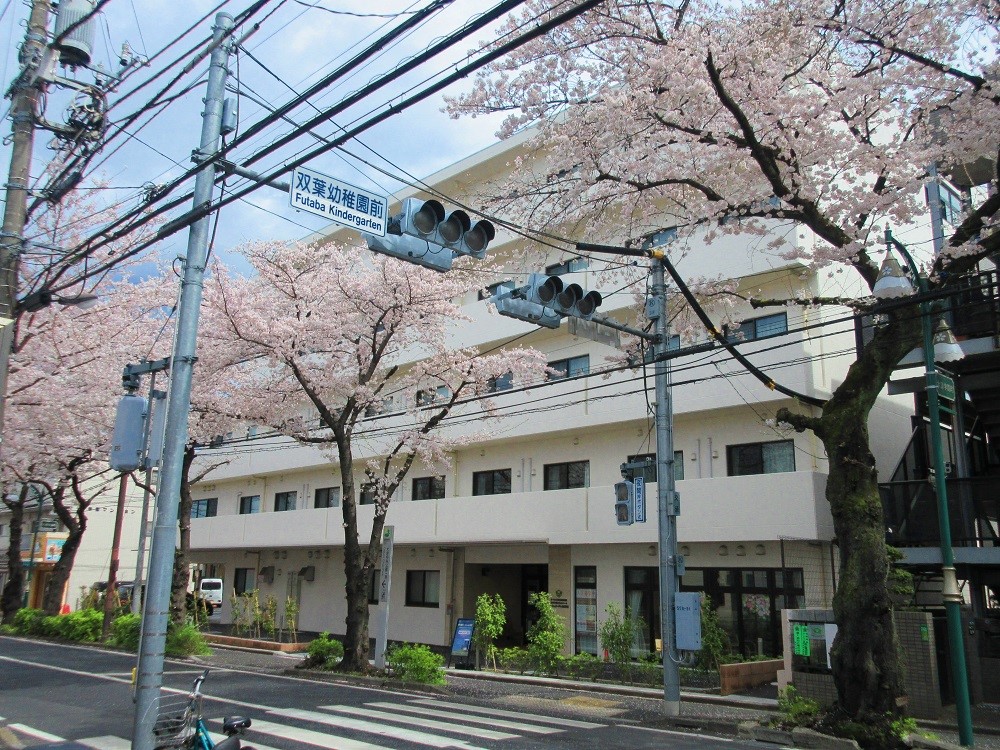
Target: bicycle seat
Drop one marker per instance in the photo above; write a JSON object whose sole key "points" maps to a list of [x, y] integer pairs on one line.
{"points": [[234, 725]]}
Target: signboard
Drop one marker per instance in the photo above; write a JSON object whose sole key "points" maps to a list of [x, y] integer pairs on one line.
{"points": [[48, 524], [687, 620], [382, 623], [461, 641], [640, 500], [338, 201], [800, 639], [946, 387]]}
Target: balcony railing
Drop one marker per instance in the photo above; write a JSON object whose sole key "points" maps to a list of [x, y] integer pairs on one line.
{"points": [[973, 509]]}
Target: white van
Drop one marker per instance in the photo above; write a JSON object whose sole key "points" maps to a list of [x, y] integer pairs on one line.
{"points": [[210, 589]]}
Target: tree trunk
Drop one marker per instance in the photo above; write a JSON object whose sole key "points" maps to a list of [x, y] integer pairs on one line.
{"points": [[356, 640], [13, 590], [181, 574], [866, 658], [76, 525]]}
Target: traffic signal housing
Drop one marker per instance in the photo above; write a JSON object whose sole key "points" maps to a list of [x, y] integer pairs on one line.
{"points": [[625, 503], [425, 234]]}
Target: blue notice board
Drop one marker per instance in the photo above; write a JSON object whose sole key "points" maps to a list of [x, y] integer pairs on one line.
{"points": [[461, 643]]}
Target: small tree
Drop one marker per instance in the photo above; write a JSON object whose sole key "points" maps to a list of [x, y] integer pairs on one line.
{"points": [[547, 637], [714, 638], [617, 634], [491, 618]]}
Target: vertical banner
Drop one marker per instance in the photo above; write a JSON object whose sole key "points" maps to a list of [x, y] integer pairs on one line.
{"points": [[640, 499], [382, 629]]}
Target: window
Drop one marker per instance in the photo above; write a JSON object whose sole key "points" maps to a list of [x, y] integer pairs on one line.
{"points": [[759, 328], [379, 407], [570, 367], [761, 458], [423, 588], [494, 289], [649, 473], [567, 476], [245, 580], [367, 496], [205, 508], [951, 204], [503, 383], [585, 626], [428, 488], [495, 482], [285, 500], [567, 266], [437, 395], [327, 497], [374, 585], [249, 504]]}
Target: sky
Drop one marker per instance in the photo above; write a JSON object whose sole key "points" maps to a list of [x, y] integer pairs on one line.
{"points": [[294, 46]]}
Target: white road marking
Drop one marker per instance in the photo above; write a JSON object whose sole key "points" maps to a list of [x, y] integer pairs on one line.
{"points": [[38, 733], [106, 742], [558, 721], [407, 735], [678, 733], [218, 737], [490, 720], [311, 737], [441, 726]]}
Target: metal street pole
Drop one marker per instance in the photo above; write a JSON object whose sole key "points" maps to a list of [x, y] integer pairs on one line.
{"points": [[950, 592], [24, 105], [116, 542], [666, 496], [156, 607]]}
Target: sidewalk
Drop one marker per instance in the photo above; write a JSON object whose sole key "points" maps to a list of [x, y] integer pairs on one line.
{"points": [[700, 711]]}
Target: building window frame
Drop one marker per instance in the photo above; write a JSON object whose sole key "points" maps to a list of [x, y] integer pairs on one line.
{"points": [[244, 580], [366, 494], [326, 497], [428, 488], [570, 367], [205, 507], [491, 482], [570, 265], [249, 504], [761, 327], [423, 588], [285, 501], [777, 452], [567, 475]]}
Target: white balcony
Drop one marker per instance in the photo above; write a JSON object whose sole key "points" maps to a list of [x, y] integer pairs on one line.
{"points": [[760, 507]]}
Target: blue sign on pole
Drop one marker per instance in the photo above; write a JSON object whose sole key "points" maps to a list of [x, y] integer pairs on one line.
{"points": [[640, 499], [461, 642]]}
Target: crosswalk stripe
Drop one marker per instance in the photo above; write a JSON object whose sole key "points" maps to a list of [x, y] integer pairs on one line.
{"points": [[311, 737], [481, 733], [218, 737], [575, 723], [37, 733], [465, 717], [343, 722], [106, 742]]}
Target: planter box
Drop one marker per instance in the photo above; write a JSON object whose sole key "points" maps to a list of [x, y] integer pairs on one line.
{"points": [[261, 645], [735, 678]]}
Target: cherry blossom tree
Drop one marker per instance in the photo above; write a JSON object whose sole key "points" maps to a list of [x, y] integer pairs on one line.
{"points": [[64, 384], [323, 336], [811, 117]]}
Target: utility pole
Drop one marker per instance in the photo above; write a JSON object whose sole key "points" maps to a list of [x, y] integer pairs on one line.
{"points": [[666, 496], [156, 607], [25, 93], [110, 594]]}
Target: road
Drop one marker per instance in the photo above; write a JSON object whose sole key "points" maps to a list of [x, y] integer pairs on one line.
{"points": [[52, 692]]}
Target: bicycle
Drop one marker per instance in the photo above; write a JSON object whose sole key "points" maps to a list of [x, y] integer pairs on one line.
{"points": [[180, 725]]}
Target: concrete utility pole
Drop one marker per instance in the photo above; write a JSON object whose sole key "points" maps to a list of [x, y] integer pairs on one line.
{"points": [[25, 93], [156, 608], [666, 496]]}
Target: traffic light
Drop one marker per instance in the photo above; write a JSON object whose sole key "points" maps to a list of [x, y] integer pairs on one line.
{"points": [[423, 233], [576, 302], [529, 302], [625, 503]]}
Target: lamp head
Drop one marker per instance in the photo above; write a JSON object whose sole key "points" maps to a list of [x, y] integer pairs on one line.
{"points": [[946, 348], [891, 281]]}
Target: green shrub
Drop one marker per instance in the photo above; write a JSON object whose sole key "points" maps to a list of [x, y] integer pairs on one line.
{"points": [[617, 634], [491, 618], [8, 630], [514, 660], [714, 638], [547, 636], [29, 621], [49, 627], [125, 632], [416, 663], [186, 640], [795, 709], [324, 652], [582, 666], [83, 626]]}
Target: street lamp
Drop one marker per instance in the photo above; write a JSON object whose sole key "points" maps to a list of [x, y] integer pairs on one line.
{"points": [[43, 298], [938, 345]]}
